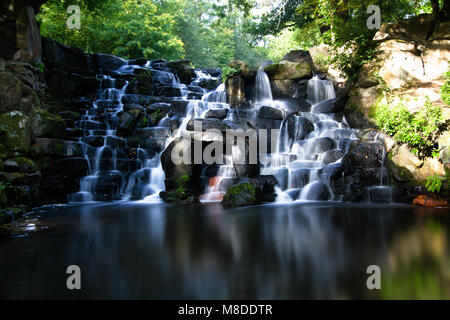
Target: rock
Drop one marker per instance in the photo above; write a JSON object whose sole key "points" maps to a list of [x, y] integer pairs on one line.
{"points": [[440, 31], [107, 187], [57, 147], [217, 73], [331, 156], [183, 150], [298, 56], [241, 194], [366, 81], [184, 70], [75, 167], [316, 191], [207, 124], [250, 192], [416, 28], [28, 34], [320, 145], [327, 106], [360, 105], [285, 89], [444, 146], [15, 95], [23, 55], [235, 89], [285, 70], [270, 113], [240, 65], [2, 65], [15, 131], [332, 172], [19, 165], [21, 178], [143, 83], [47, 125], [425, 201], [108, 62], [217, 113], [362, 155], [299, 127]]}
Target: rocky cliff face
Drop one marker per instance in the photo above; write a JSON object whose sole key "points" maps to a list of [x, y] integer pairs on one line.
{"points": [[411, 59]]}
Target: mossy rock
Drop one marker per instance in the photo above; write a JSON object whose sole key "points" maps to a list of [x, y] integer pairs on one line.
{"points": [[19, 164], [47, 125], [144, 83], [286, 70], [241, 194], [15, 131]]}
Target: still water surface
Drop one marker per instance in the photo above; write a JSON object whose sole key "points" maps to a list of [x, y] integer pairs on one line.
{"points": [[295, 251]]}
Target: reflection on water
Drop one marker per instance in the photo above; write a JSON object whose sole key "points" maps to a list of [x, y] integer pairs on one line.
{"points": [[310, 251]]}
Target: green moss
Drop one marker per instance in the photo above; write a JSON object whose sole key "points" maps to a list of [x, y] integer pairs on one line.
{"points": [[15, 131], [241, 194]]}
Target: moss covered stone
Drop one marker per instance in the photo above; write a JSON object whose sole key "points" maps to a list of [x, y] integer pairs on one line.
{"points": [[15, 131], [241, 194], [286, 70], [19, 164], [47, 125]]}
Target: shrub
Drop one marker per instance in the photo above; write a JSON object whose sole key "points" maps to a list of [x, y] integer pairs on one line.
{"points": [[445, 89], [419, 130], [228, 72], [434, 183]]}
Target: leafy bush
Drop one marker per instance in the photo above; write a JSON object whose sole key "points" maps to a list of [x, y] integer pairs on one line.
{"points": [[434, 183], [228, 72], [445, 89], [419, 130]]}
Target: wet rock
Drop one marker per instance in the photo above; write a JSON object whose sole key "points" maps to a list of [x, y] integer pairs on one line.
{"points": [[184, 70], [316, 191], [72, 168], [323, 144], [332, 171], [207, 124], [217, 113], [298, 127], [250, 192], [363, 155], [270, 113], [107, 187], [331, 156], [108, 62]]}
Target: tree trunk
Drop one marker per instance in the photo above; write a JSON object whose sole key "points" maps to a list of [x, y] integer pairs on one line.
{"points": [[436, 9]]}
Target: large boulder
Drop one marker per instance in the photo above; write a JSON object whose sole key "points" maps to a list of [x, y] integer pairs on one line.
{"points": [[316, 191], [286, 70], [250, 192]]}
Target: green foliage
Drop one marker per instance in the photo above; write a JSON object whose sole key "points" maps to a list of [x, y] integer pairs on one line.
{"points": [[434, 183], [419, 130], [228, 72], [445, 89], [129, 28], [4, 185]]}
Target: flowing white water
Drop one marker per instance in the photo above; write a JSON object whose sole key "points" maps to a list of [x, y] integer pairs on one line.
{"points": [[263, 89], [320, 90]]}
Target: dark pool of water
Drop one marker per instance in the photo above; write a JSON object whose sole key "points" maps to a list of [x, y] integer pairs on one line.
{"points": [[157, 251]]}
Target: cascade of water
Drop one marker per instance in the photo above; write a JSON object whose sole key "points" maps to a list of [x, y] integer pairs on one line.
{"points": [[320, 90], [263, 89]]}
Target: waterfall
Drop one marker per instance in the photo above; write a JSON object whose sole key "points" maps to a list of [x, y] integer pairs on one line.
{"points": [[307, 144], [263, 89], [320, 90]]}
